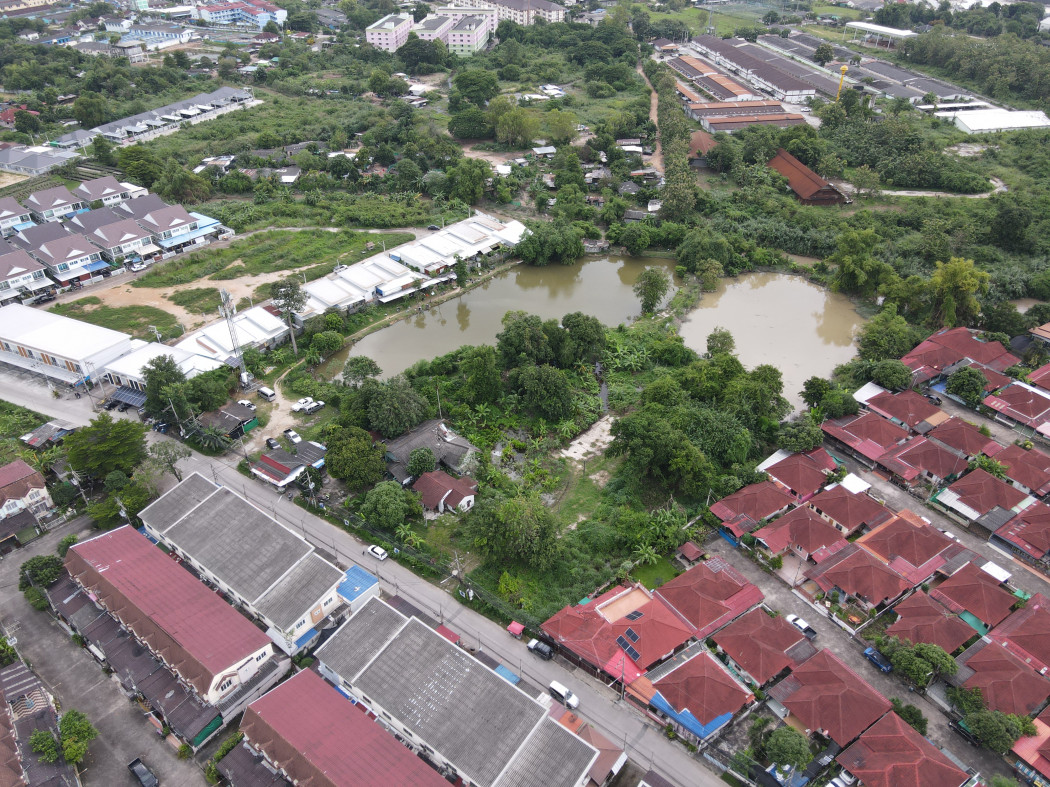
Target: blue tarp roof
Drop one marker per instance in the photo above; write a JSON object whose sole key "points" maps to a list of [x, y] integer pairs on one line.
{"points": [[97, 265], [357, 582], [309, 635], [507, 675], [687, 719], [147, 535]]}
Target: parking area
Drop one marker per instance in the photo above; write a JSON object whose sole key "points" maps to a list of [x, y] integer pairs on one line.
{"points": [[77, 681]]}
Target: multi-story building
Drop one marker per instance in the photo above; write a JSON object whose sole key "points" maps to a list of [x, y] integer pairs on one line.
{"points": [[124, 240], [70, 258], [13, 217], [524, 12], [468, 36], [107, 191], [22, 489], [20, 277], [54, 204], [459, 12], [390, 33], [242, 12], [433, 28]]}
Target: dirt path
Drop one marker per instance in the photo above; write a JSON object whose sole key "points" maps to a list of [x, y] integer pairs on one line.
{"points": [[654, 101], [999, 187]]}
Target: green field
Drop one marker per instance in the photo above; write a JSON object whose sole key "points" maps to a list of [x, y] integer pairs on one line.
{"points": [[129, 319], [199, 300]]}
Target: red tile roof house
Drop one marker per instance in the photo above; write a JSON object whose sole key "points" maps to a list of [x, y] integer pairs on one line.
{"points": [[761, 647], [313, 735], [971, 590], [589, 633], [1031, 754], [709, 596], [981, 498], [1028, 470], [441, 492], [865, 437], [202, 639], [22, 489], [1027, 535], [1021, 404], [858, 574], [611, 758], [804, 533], [848, 511], [828, 697], [892, 754], [1007, 684], [921, 619], [947, 348], [909, 546], [1041, 377], [741, 511], [908, 409], [699, 696], [1026, 633], [964, 438], [802, 475], [923, 461]]}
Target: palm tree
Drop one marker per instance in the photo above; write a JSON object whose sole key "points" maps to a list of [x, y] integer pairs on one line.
{"points": [[644, 555], [211, 439]]}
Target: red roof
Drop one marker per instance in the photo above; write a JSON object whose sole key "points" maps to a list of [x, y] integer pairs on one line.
{"points": [[758, 501], [709, 595], [994, 380], [1035, 749], [924, 620], [801, 528], [701, 143], [1029, 530], [803, 181], [799, 474], [1029, 468], [1007, 684], [760, 643], [17, 479], [980, 491], [951, 345], [975, 591], [849, 509], [690, 551], [704, 688], [908, 545], [906, 407], [313, 733], [858, 573], [1041, 377], [965, 437], [191, 628], [870, 435], [892, 754], [922, 457], [1021, 403], [1026, 633], [827, 695], [435, 485]]}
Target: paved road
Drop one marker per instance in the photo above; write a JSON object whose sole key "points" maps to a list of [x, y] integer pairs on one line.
{"points": [[642, 739]]}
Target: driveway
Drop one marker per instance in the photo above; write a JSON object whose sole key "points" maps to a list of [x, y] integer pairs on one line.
{"points": [[77, 681]]}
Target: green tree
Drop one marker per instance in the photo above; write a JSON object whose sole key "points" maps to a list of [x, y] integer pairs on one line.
{"points": [[998, 731], [159, 373], [421, 461], [968, 384], [635, 238], [106, 445], [939, 660], [359, 368], [523, 340], [814, 390], [586, 341], [90, 109], [789, 748], [482, 384], [468, 178], [354, 458], [562, 126], [26, 123], [651, 287], [470, 123], [396, 407], [912, 715], [517, 529], [801, 435], [966, 701], [544, 390], [517, 127], [477, 85], [168, 454], [289, 297], [66, 543], [102, 151], [857, 271], [720, 341], [76, 733], [891, 374], [824, 54], [44, 744], [886, 336], [388, 505], [955, 285], [989, 465], [326, 343], [42, 571], [914, 669], [556, 241]]}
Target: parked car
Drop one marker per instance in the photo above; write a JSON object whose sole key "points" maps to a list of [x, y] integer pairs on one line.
{"points": [[111, 404], [293, 435], [541, 649], [47, 297], [960, 728], [312, 408], [123, 407], [247, 403], [338, 268], [433, 227], [878, 659], [142, 773], [272, 443], [564, 696], [846, 777], [802, 626], [950, 534], [135, 267], [377, 552], [306, 401]]}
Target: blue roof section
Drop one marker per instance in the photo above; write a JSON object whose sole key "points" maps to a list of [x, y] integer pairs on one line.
{"points": [[24, 226], [147, 535], [688, 720], [97, 265], [205, 225], [357, 583], [305, 638], [507, 675]]}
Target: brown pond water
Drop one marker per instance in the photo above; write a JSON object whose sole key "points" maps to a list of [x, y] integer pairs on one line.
{"points": [[779, 319]]}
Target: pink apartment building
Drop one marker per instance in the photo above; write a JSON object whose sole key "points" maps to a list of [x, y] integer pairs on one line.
{"points": [[390, 33]]}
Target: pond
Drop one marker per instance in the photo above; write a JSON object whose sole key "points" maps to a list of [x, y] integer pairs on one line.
{"points": [[780, 319]]}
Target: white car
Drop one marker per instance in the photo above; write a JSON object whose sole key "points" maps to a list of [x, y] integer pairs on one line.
{"points": [[377, 552], [293, 436], [303, 403], [135, 267], [313, 407], [802, 626], [246, 403]]}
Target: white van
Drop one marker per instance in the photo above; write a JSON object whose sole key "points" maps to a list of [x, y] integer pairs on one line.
{"points": [[564, 696], [267, 393]]}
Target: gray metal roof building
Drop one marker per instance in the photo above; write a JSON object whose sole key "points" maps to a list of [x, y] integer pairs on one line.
{"points": [[465, 715]]}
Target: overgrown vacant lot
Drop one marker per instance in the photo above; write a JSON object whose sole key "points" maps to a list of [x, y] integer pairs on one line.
{"points": [[129, 319], [315, 250]]}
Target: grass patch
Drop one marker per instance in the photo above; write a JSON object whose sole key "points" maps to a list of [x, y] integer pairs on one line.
{"points": [[199, 300], [652, 576], [841, 12], [582, 493], [128, 319], [270, 252], [729, 778]]}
